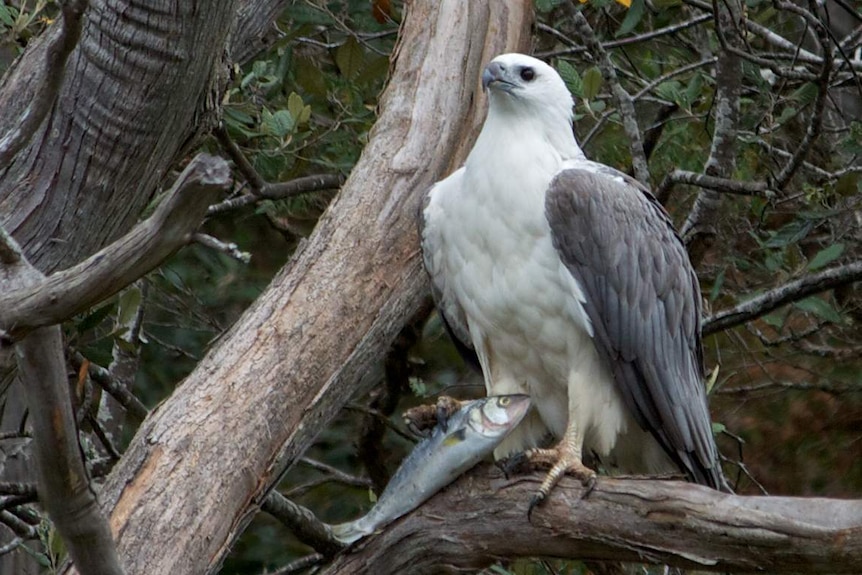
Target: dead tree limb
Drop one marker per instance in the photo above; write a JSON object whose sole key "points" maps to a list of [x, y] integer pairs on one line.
{"points": [[202, 463], [482, 518], [63, 485], [61, 295]]}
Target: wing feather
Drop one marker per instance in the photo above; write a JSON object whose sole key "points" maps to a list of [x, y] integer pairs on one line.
{"points": [[643, 300]]}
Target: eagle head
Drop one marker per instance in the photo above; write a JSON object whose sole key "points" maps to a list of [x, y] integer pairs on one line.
{"points": [[521, 83]]}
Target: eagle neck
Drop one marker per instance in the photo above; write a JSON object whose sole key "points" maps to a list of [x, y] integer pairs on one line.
{"points": [[516, 139]]}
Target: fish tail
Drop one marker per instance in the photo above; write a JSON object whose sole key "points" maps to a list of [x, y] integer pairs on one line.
{"points": [[349, 532]]}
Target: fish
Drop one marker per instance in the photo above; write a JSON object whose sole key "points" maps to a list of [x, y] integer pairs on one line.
{"points": [[457, 444]]}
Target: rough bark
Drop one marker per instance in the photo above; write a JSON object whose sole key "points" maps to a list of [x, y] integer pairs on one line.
{"points": [[133, 93], [64, 294], [482, 518], [203, 462], [698, 229]]}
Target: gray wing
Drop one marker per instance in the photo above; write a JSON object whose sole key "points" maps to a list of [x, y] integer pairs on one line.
{"points": [[643, 300], [450, 312]]}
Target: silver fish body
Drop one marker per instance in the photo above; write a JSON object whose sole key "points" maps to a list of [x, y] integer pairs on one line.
{"points": [[468, 435]]}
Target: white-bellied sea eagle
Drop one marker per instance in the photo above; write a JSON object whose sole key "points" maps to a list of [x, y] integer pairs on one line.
{"points": [[565, 280]]}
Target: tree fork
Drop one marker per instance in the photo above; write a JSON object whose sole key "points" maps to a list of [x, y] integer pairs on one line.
{"points": [[202, 463]]}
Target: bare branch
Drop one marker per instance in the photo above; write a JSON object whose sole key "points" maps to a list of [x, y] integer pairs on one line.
{"points": [[782, 295], [815, 122], [303, 523], [60, 46], [622, 98], [17, 488], [228, 248], [64, 490], [628, 41], [254, 179], [667, 522], [280, 191], [717, 184], [119, 392], [64, 294]]}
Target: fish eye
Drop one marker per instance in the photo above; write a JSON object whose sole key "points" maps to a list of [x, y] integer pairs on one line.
{"points": [[527, 74], [504, 401]]}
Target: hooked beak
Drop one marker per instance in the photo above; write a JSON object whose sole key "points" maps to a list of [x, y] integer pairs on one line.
{"points": [[494, 75]]}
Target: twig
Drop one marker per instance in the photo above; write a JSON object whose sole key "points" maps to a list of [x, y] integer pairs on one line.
{"points": [[18, 527], [622, 98], [11, 546], [14, 435], [782, 295], [382, 418], [17, 488], [119, 392], [230, 249], [646, 36], [812, 131], [280, 191], [298, 565], [795, 385], [714, 183], [242, 164], [72, 291], [61, 45], [303, 523], [335, 474]]}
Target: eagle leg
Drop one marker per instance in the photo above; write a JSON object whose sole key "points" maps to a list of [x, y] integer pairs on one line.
{"points": [[564, 458]]}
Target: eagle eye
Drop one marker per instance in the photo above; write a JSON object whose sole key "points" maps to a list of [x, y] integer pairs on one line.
{"points": [[527, 74]]}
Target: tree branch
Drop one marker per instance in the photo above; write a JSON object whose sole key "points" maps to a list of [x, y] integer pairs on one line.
{"points": [[53, 299], [782, 295], [63, 485], [697, 231], [623, 99], [303, 523], [713, 183], [264, 391], [60, 45], [482, 518]]}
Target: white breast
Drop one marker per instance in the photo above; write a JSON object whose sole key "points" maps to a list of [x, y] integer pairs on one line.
{"points": [[523, 308]]}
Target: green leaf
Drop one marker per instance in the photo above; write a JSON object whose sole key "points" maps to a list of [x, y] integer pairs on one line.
{"points": [[805, 93], [297, 108], [718, 428], [716, 286], [349, 58], [789, 234], [633, 17], [93, 319], [571, 77], [279, 124], [592, 83], [825, 256], [670, 90], [128, 305], [694, 88], [7, 16], [819, 307]]}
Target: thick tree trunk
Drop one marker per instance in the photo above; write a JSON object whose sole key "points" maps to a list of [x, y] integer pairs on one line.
{"points": [[202, 463], [133, 93], [134, 90]]}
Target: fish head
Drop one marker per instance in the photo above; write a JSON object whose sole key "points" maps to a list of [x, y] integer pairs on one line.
{"points": [[496, 416]]}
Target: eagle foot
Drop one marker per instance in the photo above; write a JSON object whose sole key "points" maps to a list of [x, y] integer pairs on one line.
{"points": [[561, 462], [422, 419]]}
